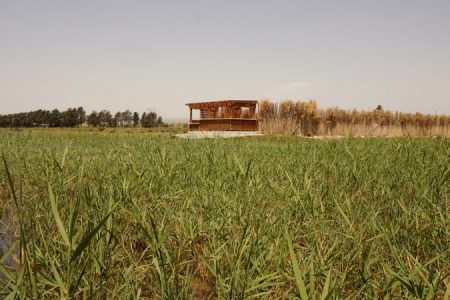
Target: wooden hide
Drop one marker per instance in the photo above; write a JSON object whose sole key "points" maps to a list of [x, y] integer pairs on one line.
{"points": [[226, 115]]}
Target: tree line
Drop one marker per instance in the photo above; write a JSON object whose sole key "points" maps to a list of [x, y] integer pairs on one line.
{"points": [[77, 117]]}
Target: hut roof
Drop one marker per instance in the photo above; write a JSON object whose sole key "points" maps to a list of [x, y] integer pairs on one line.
{"points": [[222, 103]]}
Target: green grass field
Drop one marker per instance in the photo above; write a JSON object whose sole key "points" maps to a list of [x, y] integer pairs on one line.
{"points": [[128, 215]]}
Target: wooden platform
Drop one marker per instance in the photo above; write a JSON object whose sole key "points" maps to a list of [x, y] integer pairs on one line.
{"points": [[214, 134]]}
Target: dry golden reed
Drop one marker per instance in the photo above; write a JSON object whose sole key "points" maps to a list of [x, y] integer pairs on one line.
{"points": [[305, 118]]}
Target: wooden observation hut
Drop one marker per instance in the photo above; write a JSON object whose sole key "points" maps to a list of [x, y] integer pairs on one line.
{"points": [[226, 115]]}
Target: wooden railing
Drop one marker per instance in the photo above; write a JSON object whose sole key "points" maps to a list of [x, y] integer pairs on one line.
{"points": [[224, 124]]}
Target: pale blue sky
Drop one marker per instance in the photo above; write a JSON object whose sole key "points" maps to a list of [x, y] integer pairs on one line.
{"points": [[159, 55]]}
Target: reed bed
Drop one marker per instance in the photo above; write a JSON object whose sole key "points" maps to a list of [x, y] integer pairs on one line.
{"points": [[307, 119], [94, 215]]}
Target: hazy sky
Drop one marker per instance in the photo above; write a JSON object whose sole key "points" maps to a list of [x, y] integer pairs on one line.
{"points": [[158, 55]]}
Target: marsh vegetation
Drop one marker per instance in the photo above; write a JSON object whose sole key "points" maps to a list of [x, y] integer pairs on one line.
{"points": [[128, 216]]}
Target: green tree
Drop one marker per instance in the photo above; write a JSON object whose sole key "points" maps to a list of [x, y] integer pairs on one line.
{"points": [[81, 116], [127, 118], [93, 119], [135, 119], [118, 119], [55, 118], [151, 119], [105, 118]]}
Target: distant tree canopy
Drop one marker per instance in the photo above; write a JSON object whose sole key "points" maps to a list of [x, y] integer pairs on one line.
{"points": [[76, 117], [151, 119]]}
